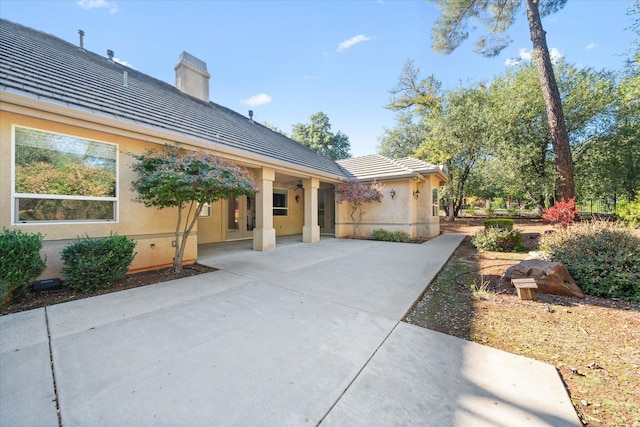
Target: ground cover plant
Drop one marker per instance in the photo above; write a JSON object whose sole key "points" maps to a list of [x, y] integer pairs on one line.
{"points": [[603, 258], [594, 342], [390, 236]]}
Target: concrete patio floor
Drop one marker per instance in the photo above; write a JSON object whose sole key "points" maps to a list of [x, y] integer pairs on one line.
{"points": [[303, 335]]}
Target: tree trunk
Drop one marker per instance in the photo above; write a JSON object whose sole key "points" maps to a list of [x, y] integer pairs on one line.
{"points": [[559, 137]]}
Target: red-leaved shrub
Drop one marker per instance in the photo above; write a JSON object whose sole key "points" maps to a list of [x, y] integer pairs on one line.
{"points": [[562, 213]]}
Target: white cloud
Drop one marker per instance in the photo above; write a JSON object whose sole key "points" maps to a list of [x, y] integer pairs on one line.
{"points": [[96, 4], [123, 62], [592, 45], [555, 54], [256, 100], [352, 42], [524, 54], [511, 62]]}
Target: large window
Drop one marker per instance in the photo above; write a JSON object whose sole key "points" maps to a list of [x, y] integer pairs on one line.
{"points": [[280, 202], [63, 178]]}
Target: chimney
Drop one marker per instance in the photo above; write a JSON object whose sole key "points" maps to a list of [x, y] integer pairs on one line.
{"points": [[192, 77]]}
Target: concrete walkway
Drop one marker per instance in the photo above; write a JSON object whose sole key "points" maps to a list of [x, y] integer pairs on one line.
{"points": [[305, 334]]}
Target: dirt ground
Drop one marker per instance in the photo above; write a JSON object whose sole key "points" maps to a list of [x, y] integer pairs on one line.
{"points": [[41, 299], [593, 342]]}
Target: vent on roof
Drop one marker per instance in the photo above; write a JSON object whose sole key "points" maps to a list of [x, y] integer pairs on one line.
{"points": [[110, 54], [81, 38], [192, 77], [251, 115]]}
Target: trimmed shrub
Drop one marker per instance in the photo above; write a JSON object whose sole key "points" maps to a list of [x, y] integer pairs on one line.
{"points": [[603, 259], [92, 264], [628, 213], [503, 223], [498, 240], [562, 213], [20, 263], [390, 236]]}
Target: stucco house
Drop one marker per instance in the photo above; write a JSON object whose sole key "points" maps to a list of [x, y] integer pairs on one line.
{"points": [[62, 106]]}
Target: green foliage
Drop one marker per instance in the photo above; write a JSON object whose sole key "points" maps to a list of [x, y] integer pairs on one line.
{"points": [[403, 140], [489, 210], [513, 211], [390, 236], [20, 262], [603, 259], [92, 264], [499, 203], [628, 213], [503, 223], [187, 180], [498, 240], [470, 210], [317, 135]]}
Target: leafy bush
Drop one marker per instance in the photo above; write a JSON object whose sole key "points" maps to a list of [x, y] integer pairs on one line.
{"points": [[489, 210], [513, 211], [91, 264], [603, 259], [562, 213], [390, 236], [470, 210], [498, 240], [20, 262], [499, 203], [628, 213], [505, 224]]}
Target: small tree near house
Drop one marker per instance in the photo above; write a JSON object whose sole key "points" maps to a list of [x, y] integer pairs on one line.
{"points": [[186, 179], [358, 194]]}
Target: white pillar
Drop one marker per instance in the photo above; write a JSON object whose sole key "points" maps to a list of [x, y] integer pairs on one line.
{"points": [[311, 229], [264, 235]]}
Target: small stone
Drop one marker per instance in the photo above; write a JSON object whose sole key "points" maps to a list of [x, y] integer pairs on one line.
{"points": [[584, 402]]}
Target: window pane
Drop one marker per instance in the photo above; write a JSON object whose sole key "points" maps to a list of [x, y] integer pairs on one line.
{"points": [[279, 212], [64, 210], [47, 163]]}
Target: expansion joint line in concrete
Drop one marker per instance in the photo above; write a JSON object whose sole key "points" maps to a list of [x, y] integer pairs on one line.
{"points": [[358, 374], [53, 371]]}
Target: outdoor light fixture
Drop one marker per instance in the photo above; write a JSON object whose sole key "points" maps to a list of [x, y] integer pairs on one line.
{"points": [[298, 198], [392, 193], [416, 194]]}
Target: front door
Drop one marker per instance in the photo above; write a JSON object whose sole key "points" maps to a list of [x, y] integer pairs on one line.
{"points": [[326, 210], [241, 217]]}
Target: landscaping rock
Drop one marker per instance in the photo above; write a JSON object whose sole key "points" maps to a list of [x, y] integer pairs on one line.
{"points": [[551, 277]]}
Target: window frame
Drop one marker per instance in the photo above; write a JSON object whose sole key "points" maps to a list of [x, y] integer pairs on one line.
{"points": [[16, 196], [281, 210]]}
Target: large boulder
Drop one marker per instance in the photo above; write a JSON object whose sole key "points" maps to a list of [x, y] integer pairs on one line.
{"points": [[551, 277]]}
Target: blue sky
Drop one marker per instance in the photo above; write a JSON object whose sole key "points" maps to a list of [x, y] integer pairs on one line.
{"points": [[287, 60]]}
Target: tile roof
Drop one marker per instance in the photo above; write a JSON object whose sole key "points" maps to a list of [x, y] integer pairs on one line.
{"points": [[377, 166], [42, 66]]}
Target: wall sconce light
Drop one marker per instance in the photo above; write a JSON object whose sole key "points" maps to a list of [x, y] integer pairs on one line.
{"points": [[416, 194], [392, 193], [297, 198]]}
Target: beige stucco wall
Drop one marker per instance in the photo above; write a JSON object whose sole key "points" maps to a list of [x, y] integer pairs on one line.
{"points": [[404, 212], [153, 229]]}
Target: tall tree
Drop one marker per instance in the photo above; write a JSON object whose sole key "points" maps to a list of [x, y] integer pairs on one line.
{"points": [[187, 180], [317, 135], [451, 29], [402, 140]]}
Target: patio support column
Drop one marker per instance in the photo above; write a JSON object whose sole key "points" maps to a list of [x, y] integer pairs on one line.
{"points": [[311, 229], [264, 235]]}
